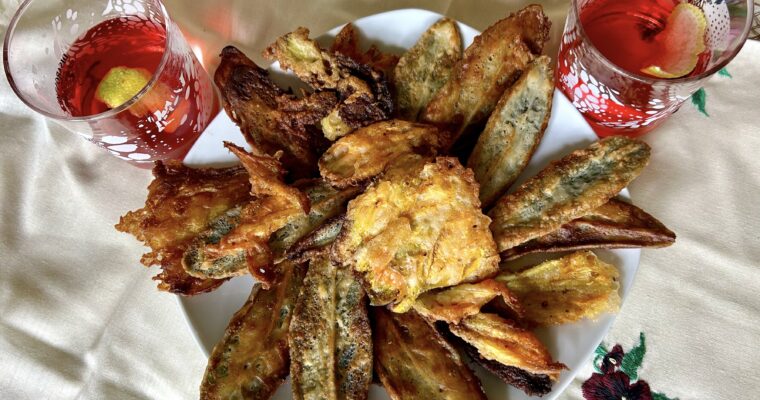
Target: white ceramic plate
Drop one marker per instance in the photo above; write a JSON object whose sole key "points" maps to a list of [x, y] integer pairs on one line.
{"points": [[571, 344]]}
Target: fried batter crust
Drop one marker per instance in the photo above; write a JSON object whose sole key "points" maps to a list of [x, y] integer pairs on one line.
{"points": [[614, 225], [181, 203], [251, 361], [347, 43], [368, 151], [426, 67], [414, 362], [490, 64], [271, 119], [567, 189], [330, 338], [418, 228], [458, 302]]}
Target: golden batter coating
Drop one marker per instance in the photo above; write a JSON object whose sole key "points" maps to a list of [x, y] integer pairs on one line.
{"points": [[492, 63], [458, 302], [330, 338], [614, 225], [181, 203], [368, 151], [426, 67], [251, 361], [565, 290], [567, 189], [418, 228], [513, 131], [414, 362]]}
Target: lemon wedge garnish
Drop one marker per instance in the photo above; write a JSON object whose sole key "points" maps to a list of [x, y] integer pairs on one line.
{"points": [[682, 41], [121, 84]]}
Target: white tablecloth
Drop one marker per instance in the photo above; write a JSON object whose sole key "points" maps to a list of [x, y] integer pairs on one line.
{"points": [[79, 318]]}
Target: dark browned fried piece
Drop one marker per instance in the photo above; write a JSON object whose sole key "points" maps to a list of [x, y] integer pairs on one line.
{"points": [[414, 362], [363, 92], [614, 225], [347, 43], [490, 64], [515, 354], [240, 243], [330, 338], [181, 203], [251, 361], [272, 119]]}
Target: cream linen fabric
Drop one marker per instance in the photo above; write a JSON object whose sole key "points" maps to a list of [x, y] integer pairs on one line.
{"points": [[80, 318]]}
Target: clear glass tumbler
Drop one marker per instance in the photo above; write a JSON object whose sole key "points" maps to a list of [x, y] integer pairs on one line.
{"points": [[616, 101], [117, 72]]}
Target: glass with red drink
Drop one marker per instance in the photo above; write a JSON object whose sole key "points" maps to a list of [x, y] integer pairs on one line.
{"points": [[118, 72], [627, 65]]}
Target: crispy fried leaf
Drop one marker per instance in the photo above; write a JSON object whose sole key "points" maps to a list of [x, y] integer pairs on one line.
{"points": [[251, 360], [271, 119], [616, 224], [466, 299], [567, 189], [181, 203], [347, 43], [414, 362], [565, 290], [426, 67], [513, 131], [330, 338]]}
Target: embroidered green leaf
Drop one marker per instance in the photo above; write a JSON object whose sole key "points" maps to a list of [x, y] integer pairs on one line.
{"points": [[698, 99], [632, 359], [660, 396], [724, 72], [599, 354]]}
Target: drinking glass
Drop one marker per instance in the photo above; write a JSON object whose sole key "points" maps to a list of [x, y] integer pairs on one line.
{"points": [[617, 102], [45, 41]]}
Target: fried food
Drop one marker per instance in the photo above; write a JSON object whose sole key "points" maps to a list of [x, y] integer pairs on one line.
{"points": [[326, 203], [330, 337], [426, 67], [457, 302], [614, 225], [414, 362], [567, 189], [490, 64], [347, 43], [270, 118], [565, 290], [242, 245], [314, 242], [181, 203], [251, 360], [363, 92], [418, 228], [368, 151], [499, 340], [513, 131]]}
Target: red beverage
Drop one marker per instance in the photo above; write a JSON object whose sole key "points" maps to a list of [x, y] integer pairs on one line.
{"points": [[165, 122], [631, 34]]}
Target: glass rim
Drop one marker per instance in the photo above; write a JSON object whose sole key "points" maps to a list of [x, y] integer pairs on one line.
{"points": [[652, 80], [93, 117]]}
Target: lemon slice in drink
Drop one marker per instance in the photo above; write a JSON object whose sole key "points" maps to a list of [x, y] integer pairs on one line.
{"points": [[121, 84], [682, 40]]}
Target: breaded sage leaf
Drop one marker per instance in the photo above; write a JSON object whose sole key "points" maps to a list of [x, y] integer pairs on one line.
{"points": [[418, 228], [513, 131], [414, 362], [368, 151], [330, 338], [567, 189], [426, 67], [614, 225], [565, 290], [251, 360], [490, 64]]}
